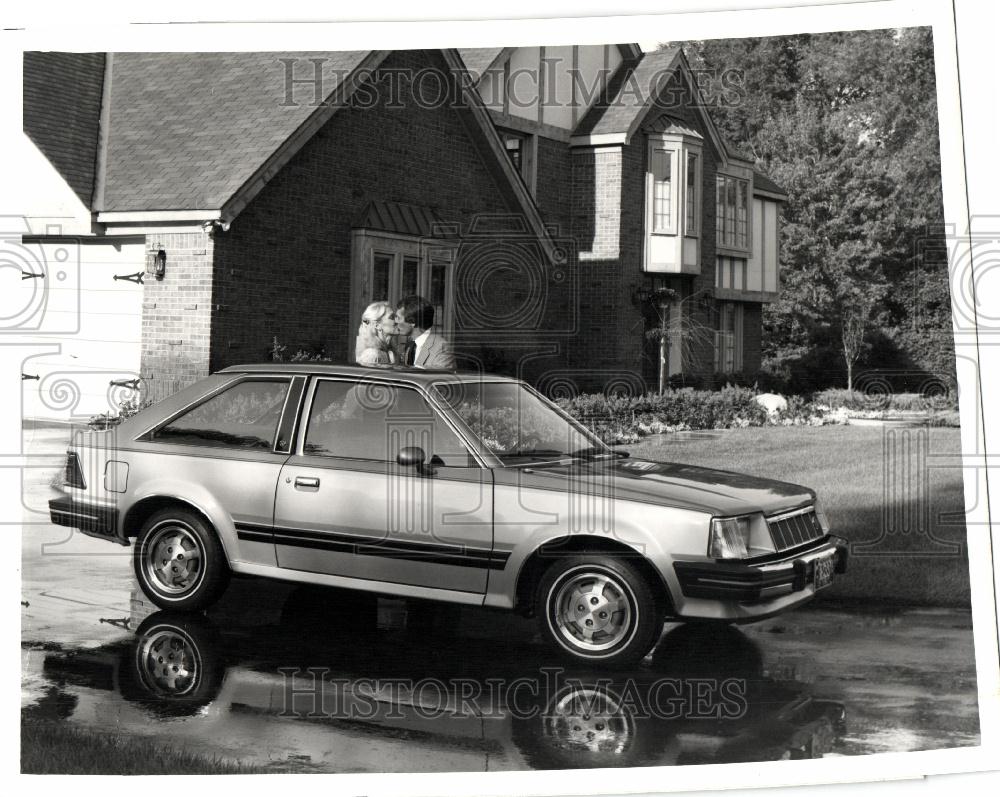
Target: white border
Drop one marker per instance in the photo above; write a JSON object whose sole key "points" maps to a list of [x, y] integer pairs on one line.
{"points": [[85, 32]]}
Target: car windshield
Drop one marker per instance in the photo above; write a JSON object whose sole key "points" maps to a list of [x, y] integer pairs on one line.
{"points": [[517, 424]]}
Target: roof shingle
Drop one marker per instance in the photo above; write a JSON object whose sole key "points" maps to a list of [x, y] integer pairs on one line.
{"points": [[189, 129], [62, 112], [478, 60], [628, 94]]}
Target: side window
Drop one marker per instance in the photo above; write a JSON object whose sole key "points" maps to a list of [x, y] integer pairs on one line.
{"points": [[374, 421], [244, 416]]}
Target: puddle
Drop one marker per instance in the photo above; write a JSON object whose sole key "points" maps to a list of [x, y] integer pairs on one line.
{"points": [[328, 696]]}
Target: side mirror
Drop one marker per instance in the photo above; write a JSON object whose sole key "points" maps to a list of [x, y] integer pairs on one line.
{"points": [[411, 455]]}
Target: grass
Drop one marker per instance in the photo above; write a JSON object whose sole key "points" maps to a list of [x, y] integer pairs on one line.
{"points": [[51, 748], [869, 482]]}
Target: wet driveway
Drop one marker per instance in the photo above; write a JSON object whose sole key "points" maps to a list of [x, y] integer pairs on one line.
{"points": [[308, 679]]}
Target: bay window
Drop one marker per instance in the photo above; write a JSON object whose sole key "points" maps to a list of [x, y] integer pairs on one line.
{"points": [[673, 199]]}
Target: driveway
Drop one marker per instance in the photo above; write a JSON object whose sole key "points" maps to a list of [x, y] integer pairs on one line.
{"points": [[305, 679]]}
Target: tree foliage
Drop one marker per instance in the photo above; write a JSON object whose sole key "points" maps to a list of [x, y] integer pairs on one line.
{"points": [[847, 124]]}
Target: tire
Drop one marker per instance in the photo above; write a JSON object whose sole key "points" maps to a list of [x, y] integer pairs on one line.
{"points": [[174, 666], [182, 541], [573, 602]]}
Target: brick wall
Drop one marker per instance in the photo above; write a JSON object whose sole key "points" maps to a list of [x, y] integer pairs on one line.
{"points": [[177, 313], [597, 202], [283, 269]]}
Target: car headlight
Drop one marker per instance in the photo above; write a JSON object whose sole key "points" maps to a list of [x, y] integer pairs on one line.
{"points": [[739, 537], [824, 522]]}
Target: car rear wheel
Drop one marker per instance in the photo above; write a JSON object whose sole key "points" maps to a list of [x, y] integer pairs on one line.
{"points": [[598, 608], [179, 561]]}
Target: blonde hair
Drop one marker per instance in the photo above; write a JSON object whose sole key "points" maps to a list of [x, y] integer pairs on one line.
{"points": [[368, 337]]}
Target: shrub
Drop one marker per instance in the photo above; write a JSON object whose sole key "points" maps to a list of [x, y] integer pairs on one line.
{"points": [[623, 418], [126, 409], [316, 355]]}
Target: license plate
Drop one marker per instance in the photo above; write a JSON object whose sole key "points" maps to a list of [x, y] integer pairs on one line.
{"points": [[823, 576]]}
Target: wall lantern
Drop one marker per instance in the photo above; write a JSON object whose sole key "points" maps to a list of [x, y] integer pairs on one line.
{"points": [[156, 264]]}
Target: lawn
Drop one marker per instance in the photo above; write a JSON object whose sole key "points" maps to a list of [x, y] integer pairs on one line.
{"points": [[877, 489], [49, 748]]}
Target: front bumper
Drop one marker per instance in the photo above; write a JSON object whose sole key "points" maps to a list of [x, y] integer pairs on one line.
{"points": [[754, 583], [94, 520]]}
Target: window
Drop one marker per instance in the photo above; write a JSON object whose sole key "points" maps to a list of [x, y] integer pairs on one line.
{"points": [[520, 150], [732, 212], [514, 423], [731, 272], [243, 416], [729, 338], [373, 421], [390, 267], [661, 167], [691, 195]]}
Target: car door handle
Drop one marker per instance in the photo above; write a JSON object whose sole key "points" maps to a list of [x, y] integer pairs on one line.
{"points": [[306, 483]]}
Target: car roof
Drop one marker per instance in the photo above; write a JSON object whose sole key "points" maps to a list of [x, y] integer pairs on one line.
{"points": [[420, 375]]}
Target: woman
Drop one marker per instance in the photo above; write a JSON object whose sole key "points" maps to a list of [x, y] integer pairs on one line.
{"points": [[374, 342]]}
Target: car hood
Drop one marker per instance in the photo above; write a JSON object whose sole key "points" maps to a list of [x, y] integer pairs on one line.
{"points": [[716, 492]]}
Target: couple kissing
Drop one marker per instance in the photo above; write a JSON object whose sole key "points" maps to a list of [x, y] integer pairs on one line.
{"points": [[403, 335]]}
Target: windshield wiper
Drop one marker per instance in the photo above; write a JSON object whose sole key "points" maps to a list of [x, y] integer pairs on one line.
{"points": [[590, 452], [531, 452]]}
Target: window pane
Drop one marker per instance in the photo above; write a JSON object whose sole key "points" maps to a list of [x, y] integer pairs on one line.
{"points": [[411, 266], [730, 211], [439, 282], [374, 421], [720, 209], [244, 416], [661, 189], [515, 149], [691, 195], [381, 266], [741, 213]]}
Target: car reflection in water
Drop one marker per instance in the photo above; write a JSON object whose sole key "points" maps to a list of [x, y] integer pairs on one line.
{"points": [[360, 698]]}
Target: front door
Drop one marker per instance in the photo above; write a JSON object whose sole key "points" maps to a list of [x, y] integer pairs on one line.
{"points": [[345, 507]]}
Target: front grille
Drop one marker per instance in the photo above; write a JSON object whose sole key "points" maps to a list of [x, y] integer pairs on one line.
{"points": [[792, 529]]}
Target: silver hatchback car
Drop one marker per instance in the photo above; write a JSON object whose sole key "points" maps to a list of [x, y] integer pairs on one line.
{"points": [[464, 488]]}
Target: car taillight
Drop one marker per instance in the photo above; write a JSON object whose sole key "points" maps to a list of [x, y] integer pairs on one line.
{"points": [[73, 475]]}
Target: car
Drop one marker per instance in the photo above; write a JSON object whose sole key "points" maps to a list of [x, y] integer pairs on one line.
{"points": [[459, 487]]}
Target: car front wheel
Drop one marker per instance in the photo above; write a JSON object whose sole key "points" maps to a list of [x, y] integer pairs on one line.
{"points": [[598, 608], [179, 561]]}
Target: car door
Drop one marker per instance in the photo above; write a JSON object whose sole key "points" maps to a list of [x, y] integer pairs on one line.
{"points": [[344, 505]]}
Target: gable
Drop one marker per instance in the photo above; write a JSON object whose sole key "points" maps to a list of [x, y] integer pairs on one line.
{"points": [[641, 90]]}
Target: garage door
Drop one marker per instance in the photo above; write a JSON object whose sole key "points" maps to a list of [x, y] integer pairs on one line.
{"points": [[95, 318]]}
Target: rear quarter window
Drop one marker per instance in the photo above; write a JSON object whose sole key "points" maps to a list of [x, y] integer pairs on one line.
{"points": [[245, 415]]}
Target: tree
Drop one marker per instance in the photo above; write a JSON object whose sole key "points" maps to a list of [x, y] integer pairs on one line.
{"points": [[676, 323], [846, 123]]}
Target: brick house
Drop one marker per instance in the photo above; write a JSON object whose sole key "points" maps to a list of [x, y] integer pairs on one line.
{"points": [[539, 196]]}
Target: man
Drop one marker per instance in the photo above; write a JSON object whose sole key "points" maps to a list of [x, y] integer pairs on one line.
{"points": [[424, 348]]}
